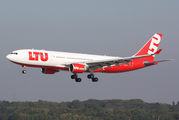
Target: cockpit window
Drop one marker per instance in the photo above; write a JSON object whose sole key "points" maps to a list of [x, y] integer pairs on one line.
{"points": [[15, 53]]}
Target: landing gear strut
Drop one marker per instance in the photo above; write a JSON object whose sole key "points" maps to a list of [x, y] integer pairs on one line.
{"points": [[91, 76], [75, 76], [24, 71]]}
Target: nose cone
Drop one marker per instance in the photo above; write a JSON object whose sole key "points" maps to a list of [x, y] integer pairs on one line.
{"points": [[15, 58], [8, 57]]}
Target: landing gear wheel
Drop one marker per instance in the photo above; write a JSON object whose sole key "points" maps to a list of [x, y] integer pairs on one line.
{"points": [[78, 79], [73, 76], [24, 71], [95, 79], [90, 76]]}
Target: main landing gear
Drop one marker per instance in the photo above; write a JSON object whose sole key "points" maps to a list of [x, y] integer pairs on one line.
{"points": [[24, 71], [90, 76], [75, 76]]}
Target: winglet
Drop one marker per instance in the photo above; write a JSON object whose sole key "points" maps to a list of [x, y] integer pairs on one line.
{"points": [[158, 52]]}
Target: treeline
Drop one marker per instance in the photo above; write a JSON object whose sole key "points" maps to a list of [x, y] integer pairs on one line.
{"points": [[88, 110]]}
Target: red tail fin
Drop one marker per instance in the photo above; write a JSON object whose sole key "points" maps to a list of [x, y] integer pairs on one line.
{"points": [[151, 46]]}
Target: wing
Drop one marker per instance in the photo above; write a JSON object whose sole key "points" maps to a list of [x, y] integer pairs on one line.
{"points": [[96, 64], [93, 65]]}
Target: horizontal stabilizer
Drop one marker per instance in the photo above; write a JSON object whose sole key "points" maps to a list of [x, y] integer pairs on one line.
{"points": [[152, 63]]}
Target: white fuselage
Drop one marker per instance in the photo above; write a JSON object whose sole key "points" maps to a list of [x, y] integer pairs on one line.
{"points": [[38, 58]]}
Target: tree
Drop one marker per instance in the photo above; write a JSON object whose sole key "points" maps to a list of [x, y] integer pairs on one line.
{"points": [[3, 109], [63, 117], [173, 103], [14, 116]]}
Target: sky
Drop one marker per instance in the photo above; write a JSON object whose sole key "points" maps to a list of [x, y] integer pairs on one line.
{"points": [[102, 27]]}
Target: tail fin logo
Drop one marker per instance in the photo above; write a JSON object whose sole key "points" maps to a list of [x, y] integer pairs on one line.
{"points": [[154, 43]]}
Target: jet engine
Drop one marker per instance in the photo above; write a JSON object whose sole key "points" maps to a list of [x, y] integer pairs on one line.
{"points": [[77, 68], [49, 71]]}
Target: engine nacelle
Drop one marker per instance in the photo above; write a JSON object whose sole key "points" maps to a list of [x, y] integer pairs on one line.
{"points": [[77, 68], [49, 71]]}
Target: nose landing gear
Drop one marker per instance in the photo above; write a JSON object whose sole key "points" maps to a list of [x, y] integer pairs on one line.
{"points": [[24, 71]]}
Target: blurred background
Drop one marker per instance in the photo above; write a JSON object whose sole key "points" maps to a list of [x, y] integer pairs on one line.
{"points": [[114, 28]]}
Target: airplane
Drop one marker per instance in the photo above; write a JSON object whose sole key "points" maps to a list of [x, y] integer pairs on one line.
{"points": [[51, 62]]}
